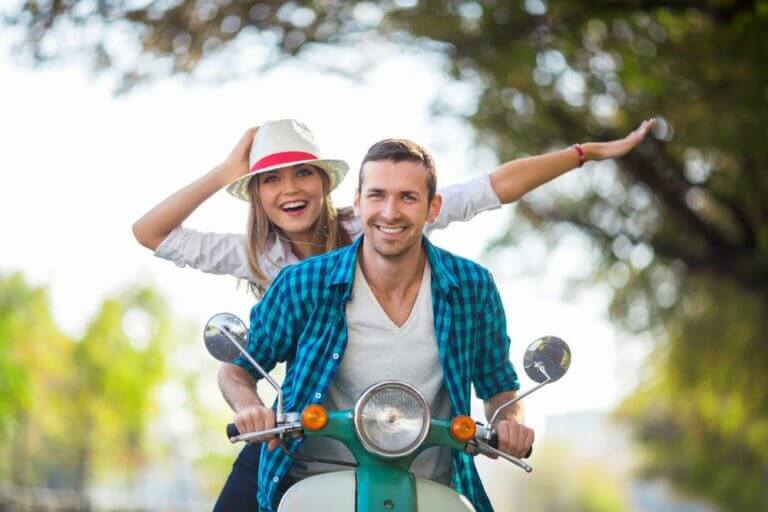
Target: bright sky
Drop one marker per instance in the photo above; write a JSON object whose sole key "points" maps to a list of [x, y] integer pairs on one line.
{"points": [[80, 166]]}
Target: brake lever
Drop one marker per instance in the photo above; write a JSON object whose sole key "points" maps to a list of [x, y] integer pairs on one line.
{"points": [[486, 448], [282, 429]]}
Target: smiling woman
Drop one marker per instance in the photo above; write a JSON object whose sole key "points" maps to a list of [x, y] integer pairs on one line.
{"points": [[292, 197], [292, 204]]}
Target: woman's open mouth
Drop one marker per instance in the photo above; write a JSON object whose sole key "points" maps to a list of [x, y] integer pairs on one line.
{"points": [[294, 208]]}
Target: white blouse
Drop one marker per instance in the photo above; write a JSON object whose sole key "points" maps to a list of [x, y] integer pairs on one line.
{"points": [[225, 253]]}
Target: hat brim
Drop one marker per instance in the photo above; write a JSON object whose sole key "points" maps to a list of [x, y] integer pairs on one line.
{"points": [[335, 169]]}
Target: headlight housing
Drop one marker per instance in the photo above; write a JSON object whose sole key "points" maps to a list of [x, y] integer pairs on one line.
{"points": [[391, 419]]}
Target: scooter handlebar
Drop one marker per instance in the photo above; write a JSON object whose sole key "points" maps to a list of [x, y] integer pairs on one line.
{"points": [[232, 431]]}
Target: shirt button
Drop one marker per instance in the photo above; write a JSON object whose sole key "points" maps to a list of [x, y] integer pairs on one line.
{"points": [[276, 479], [318, 395], [335, 356]]}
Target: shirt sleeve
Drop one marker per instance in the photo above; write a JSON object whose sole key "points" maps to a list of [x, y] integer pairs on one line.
{"points": [[273, 330], [215, 253], [462, 201], [493, 371]]}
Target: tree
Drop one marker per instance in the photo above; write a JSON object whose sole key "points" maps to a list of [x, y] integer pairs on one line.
{"points": [[34, 367], [13, 385], [76, 407], [119, 361], [679, 224]]}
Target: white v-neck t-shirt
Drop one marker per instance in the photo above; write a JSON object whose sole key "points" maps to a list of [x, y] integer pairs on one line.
{"points": [[377, 350]]}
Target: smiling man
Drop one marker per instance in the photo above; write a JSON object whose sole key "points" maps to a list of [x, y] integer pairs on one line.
{"points": [[391, 306]]}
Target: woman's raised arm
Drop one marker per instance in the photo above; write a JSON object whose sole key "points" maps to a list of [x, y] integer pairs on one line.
{"points": [[155, 225], [513, 179]]}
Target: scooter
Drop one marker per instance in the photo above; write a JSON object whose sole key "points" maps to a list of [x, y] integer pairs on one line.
{"points": [[388, 427]]}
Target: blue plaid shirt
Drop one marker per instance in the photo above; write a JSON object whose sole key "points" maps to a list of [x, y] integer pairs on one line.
{"points": [[301, 320]]}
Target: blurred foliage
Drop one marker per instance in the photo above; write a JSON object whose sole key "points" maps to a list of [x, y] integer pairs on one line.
{"points": [[703, 412], [37, 374], [679, 225], [76, 407], [87, 410], [120, 361], [13, 379], [564, 482]]}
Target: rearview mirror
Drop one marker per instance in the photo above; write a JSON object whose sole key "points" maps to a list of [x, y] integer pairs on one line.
{"points": [[547, 359], [216, 341]]}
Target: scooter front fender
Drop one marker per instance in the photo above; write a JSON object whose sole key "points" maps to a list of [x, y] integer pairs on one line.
{"points": [[336, 491]]}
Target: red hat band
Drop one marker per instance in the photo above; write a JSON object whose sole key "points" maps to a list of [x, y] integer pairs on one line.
{"points": [[282, 159]]}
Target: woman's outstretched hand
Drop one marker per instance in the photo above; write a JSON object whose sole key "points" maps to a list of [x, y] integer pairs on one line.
{"points": [[236, 164], [620, 147]]}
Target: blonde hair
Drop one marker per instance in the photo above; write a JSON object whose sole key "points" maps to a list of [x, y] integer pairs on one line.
{"points": [[329, 233]]}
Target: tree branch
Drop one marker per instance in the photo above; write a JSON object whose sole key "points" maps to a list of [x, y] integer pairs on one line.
{"points": [[657, 169]]}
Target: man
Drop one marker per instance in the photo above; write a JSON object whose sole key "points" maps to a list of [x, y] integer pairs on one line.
{"points": [[390, 306]]}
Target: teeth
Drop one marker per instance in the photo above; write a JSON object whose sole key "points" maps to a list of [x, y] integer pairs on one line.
{"points": [[294, 204], [390, 230]]}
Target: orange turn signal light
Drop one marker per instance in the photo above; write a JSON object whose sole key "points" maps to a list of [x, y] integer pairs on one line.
{"points": [[314, 417], [463, 428]]}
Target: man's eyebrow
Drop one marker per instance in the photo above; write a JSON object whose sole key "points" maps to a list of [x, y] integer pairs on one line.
{"points": [[378, 189]]}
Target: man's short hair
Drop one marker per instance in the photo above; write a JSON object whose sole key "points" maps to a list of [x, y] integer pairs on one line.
{"points": [[399, 150]]}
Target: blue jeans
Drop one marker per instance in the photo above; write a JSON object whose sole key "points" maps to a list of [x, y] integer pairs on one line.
{"points": [[242, 485]]}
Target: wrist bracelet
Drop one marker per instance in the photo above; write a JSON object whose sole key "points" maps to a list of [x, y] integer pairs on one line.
{"points": [[580, 151]]}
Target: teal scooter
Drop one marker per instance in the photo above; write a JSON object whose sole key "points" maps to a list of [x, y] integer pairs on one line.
{"points": [[388, 427]]}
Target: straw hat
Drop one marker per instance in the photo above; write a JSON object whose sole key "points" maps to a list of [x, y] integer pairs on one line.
{"points": [[285, 143]]}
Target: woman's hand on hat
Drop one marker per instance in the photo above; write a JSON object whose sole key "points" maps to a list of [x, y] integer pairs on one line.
{"points": [[236, 164]]}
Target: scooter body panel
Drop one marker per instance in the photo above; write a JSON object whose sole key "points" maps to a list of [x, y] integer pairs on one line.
{"points": [[327, 491], [336, 491]]}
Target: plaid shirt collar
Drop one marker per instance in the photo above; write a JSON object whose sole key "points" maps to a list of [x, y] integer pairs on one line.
{"points": [[343, 273]]}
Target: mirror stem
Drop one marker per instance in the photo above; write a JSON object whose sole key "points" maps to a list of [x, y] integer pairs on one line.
{"points": [[517, 399], [280, 414]]}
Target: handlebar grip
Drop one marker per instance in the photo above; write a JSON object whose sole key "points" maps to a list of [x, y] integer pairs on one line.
{"points": [[494, 443], [232, 430]]}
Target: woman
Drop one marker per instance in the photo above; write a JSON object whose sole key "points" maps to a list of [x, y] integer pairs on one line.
{"points": [[280, 171]]}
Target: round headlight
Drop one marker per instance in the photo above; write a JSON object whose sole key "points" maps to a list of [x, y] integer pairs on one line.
{"points": [[391, 419]]}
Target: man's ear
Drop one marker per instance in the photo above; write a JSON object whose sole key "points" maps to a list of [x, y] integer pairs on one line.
{"points": [[434, 208], [356, 204]]}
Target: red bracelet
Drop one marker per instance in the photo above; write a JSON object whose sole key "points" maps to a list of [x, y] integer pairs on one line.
{"points": [[580, 151]]}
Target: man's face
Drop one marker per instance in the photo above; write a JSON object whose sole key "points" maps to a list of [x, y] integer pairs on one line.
{"points": [[393, 205]]}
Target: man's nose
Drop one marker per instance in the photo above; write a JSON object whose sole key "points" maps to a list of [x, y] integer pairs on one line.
{"points": [[389, 209]]}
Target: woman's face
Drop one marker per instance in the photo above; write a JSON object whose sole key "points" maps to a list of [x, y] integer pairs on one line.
{"points": [[292, 198]]}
